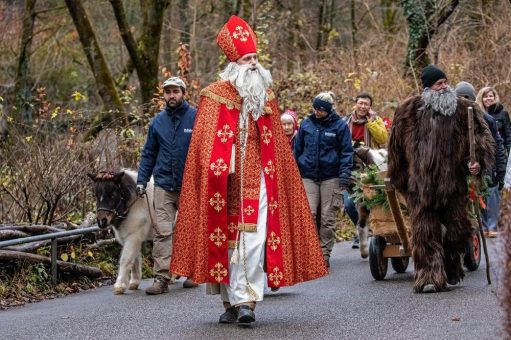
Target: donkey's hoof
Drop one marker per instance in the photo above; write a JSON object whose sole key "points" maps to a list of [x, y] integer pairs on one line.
{"points": [[119, 290], [133, 286]]}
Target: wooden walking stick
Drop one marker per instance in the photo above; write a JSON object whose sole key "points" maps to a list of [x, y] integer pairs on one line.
{"points": [[475, 186]]}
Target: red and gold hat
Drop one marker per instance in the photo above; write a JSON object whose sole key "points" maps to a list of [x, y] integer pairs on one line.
{"points": [[237, 38]]}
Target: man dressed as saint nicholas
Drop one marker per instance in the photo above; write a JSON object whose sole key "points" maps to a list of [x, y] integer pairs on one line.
{"points": [[244, 217]]}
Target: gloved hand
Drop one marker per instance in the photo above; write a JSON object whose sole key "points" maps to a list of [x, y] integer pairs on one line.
{"points": [[140, 190]]}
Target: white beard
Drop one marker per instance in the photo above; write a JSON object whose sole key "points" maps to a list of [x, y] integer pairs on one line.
{"points": [[251, 85], [443, 102]]}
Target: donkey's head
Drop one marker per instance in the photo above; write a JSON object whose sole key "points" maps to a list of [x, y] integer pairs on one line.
{"points": [[113, 191], [364, 156], [361, 157], [379, 158]]}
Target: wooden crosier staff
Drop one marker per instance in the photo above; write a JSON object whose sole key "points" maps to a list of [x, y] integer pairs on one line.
{"points": [[475, 187]]}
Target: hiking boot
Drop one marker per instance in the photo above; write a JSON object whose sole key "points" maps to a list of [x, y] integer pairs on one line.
{"points": [[246, 316], [364, 246], [356, 243], [160, 286], [230, 316], [188, 283]]}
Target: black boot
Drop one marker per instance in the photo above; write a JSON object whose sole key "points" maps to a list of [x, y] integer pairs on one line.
{"points": [[246, 316], [230, 316]]}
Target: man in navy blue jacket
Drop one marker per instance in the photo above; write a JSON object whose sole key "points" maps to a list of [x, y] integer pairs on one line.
{"points": [[324, 156], [164, 157]]}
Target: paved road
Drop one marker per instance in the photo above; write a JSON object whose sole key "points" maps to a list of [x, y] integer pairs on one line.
{"points": [[348, 304]]}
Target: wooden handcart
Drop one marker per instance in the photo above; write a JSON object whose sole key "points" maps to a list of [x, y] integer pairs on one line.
{"points": [[391, 237]]}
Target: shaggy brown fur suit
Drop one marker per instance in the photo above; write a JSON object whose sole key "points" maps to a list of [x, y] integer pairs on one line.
{"points": [[428, 162]]}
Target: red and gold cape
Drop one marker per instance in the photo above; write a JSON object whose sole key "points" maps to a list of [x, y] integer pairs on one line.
{"points": [[207, 221]]}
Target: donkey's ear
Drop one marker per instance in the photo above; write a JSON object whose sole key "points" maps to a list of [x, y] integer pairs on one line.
{"points": [[92, 176], [118, 176]]}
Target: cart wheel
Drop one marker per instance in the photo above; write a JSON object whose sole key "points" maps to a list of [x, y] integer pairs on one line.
{"points": [[400, 263], [473, 255], [377, 262]]}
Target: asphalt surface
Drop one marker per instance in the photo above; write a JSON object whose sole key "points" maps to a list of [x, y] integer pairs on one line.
{"points": [[348, 304]]}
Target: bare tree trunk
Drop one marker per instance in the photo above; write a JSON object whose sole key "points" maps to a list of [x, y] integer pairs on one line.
{"points": [[329, 21], [354, 29], [477, 13], [31, 246], [67, 267], [243, 8], [10, 234], [228, 8], [98, 65], [166, 51], [144, 52], [389, 11], [295, 41], [23, 88], [423, 22], [31, 229], [185, 21], [319, 39]]}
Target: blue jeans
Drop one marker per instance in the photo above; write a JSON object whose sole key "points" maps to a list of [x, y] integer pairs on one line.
{"points": [[350, 208], [491, 214]]}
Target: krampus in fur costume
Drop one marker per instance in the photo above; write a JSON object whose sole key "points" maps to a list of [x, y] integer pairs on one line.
{"points": [[428, 163]]}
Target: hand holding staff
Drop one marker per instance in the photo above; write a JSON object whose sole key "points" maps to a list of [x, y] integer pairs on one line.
{"points": [[474, 169]]}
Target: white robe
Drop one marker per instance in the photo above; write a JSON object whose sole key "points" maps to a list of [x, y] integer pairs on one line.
{"points": [[236, 292]]}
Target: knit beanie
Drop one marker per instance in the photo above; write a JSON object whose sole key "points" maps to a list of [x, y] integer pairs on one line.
{"points": [[431, 74], [465, 90], [323, 101]]}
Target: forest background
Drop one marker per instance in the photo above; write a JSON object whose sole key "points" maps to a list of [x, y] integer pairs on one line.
{"points": [[79, 79], [82, 76]]}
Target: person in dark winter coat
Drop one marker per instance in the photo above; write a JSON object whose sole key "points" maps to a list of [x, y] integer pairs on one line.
{"points": [[324, 156], [429, 163], [496, 173], [164, 157], [488, 100]]}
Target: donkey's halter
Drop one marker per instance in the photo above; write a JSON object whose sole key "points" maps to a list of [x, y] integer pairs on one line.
{"points": [[109, 176], [115, 211]]}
